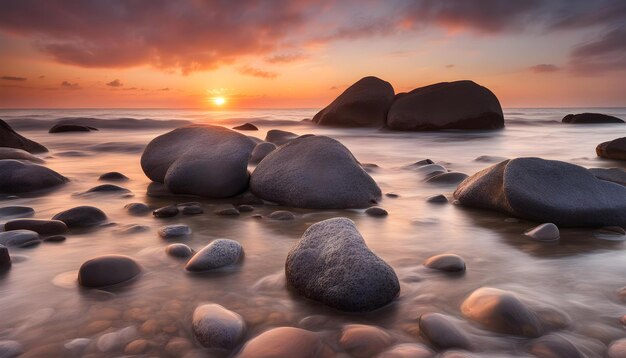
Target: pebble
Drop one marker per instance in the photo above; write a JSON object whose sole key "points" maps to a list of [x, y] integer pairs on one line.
{"points": [[443, 332], [81, 217], [227, 212], [446, 262], [392, 195], [285, 342], [245, 208], [192, 210], [176, 230], [166, 211], [179, 250], [376, 211], [554, 346], [617, 349], [437, 199], [364, 341], [113, 176], [19, 238], [16, 211], [282, 215], [216, 327], [177, 347], [107, 270], [42, 227], [77, 345], [107, 188], [408, 350], [545, 233], [137, 208], [217, 254], [137, 346]]}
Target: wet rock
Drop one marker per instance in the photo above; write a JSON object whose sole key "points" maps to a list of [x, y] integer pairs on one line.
{"points": [[81, 217], [617, 349], [113, 176], [137, 208], [16, 211], [376, 211], [216, 327], [261, 151], [61, 128], [5, 259], [192, 210], [19, 238], [446, 105], [55, 238], [614, 149], [423, 162], [437, 199], [489, 159], [615, 175], [166, 211], [364, 341], [177, 347], [590, 118], [77, 345], [407, 350], [544, 232], [116, 340], [428, 170], [332, 264], [282, 215], [21, 177], [392, 195], [10, 349], [286, 342], [202, 160], [179, 250], [545, 191], [446, 262], [42, 227], [10, 138], [177, 230], [554, 346], [364, 104], [107, 188], [227, 212], [279, 137], [314, 172], [217, 254], [442, 331], [447, 178], [107, 270], [135, 347], [245, 208], [18, 154], [610, 233], [246, 127]]}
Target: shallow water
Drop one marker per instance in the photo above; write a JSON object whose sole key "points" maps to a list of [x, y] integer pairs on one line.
{"points": [[42, 306]]}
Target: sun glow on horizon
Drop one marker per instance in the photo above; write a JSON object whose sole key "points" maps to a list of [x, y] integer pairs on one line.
{"points": [[219, 101]]}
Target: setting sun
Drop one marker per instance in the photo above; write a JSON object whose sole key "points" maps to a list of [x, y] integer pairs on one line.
{"points": [[219, 101]]}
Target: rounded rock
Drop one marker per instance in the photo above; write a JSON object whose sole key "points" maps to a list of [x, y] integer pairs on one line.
{"points": [[279, 137], [437, 199], [617, 349], [21, 177], [590, 118], [176, 230], [179, 250], [545, 232], [42, 227], [282, 215], [137, 208], [261, 151], [107, 270], [446, 262], [245, 208], [407, 350], [166, 211], [361, 340], [19, 238], [217, 254], [216, 327], [5, 259], [285, 342], [81, 217], [16, 211], [10, 138], [10, 349], [113, 176], [192, 210], [376, 211], [554, 346], [227, 212], [246, 127], [63, 127], [442, 332]]}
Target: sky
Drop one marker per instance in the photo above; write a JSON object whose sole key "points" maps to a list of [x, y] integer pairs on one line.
{"points": [[302, 54]]}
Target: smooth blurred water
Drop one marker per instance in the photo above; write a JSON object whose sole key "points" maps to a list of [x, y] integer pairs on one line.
{"points": [[42, 306]]}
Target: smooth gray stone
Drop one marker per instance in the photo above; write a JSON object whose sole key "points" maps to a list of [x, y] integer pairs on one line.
{"points": [[376, 211], [446, 262], [16, 211], [20, 177], [443, 332], [544, 232], [282, 215], [107, 270], [332, 264], [179, 250], [216, 327], [408, 350], [261, 151], [42, 227], [245, 208], [10, 138], [554, 346], [81, 217], [19, 238], [227, 212], [62, 128], [107, 188], [279, 137], [166, 211], [217, 254], [175, 230], [137, 208]]}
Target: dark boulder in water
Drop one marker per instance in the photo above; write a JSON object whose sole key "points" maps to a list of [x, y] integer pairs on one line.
{"points": [[202, 160], [113, 176], [107, 270], [442, 331], [81, 217], [614, 149], [546, 191], [261, 151], [61, 128], [5, 259], [18, 154], [246, 127], [16, 211], [314, 172], [42, 227], [590, 118], [21, 177], [446, 105], [10, 138], [364, 104], [376, 211], [332, 264], [279, 137]]}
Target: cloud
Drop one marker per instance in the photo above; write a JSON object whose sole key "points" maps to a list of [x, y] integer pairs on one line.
{"points": [[68, 85], [164, 89], [604, 54], [450, 66], [544, 68], [115, 83], [286, 57], [13, 78], [256, 72]]}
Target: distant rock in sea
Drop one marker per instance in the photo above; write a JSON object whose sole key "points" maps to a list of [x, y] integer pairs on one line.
{"points": [[61, 128], [590, 118], [364, 104], [22, 176], [446, 105], [246, 127], [10, 138], [113, 176], [614, 149]]}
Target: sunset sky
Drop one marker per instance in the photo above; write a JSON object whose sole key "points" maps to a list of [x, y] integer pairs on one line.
{"points": [[160, 53]]}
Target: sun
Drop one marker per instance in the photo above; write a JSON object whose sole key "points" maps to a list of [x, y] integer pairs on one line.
{"points": [[219, 101]]}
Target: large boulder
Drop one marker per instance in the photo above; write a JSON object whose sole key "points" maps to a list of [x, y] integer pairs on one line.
{"points": [[20, 177], [10, 138], [446, 105], [332, 264], [61, 128], [614, 149], [107, 270], [314, 172], [364, 104], [202, 160], [546, 191], [590, 118]]}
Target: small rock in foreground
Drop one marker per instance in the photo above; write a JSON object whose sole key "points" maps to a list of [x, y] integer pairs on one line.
{"points": [[216, 327], [81, 217], [545, 232], [217, 254], [446, 262]]}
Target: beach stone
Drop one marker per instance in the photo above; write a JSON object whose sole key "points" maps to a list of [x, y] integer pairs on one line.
{"points": [[617, 349], [42, 227], [19, 238], [447, 178], [614, 149], [423, 162], [21, 177], [546, 191], [113, 176], [10, 349], [166, 211], [503, 312], [544, 232], [55, 238], [10, 138], [428, 170], [245, 208], [446, 105], [282, 215], [261, 151], [286, 342], [137, 346], [216, 327], [489, 159], [107, 188], [437, 199], [61, 128], [179, 250], [16, 211], [192, 210], [177, 347], [615, 175], [361, 340], [376, 211], [443, 332], [392, 195], [204, 160], [217, 254], [279, 137], [446, 262], [332, 264], [246, 127], [107, 270], [5, 259], [364, 104], [407, 350], [137, 208], [227, 212], [176, 230], [590, 118], [81, 217], [314, 172], [18, 154], [610, 233], [554, 346]]}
